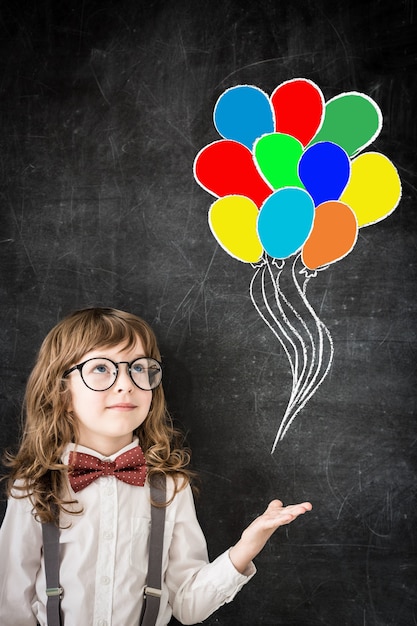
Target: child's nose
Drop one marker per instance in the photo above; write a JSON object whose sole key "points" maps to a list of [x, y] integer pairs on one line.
{"points": [[123, 381]]}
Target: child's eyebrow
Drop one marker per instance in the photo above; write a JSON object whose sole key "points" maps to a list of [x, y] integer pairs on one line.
{"points": [[139, 356]]}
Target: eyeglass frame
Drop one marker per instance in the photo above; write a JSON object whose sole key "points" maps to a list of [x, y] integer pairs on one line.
{"points": [[80, 366]]}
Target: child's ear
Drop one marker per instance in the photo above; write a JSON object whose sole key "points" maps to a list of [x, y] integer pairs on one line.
{"points": [[67, 398]]}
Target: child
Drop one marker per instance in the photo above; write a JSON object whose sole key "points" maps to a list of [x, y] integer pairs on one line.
{"points": [[95, 389]]}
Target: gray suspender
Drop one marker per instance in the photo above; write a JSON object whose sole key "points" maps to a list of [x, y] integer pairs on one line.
{"points": [[152, 593], [50, 534], [153, 589]]}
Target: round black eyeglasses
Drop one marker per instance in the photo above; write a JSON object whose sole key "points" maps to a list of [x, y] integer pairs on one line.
{"points": [[99, 374]]}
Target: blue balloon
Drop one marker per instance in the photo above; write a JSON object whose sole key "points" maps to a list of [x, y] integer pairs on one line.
{"points": [[285, 221], [324, 170], [244, 114]]}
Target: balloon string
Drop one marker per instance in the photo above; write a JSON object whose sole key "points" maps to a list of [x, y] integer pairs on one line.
{"points": [[302, 334], [305, 339], [322, 333], [265, 312], [271, 310], [321, 367], [291, 414], [308, 348]]}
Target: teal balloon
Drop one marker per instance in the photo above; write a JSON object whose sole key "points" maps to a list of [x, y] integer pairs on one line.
{"points": [[244, 114], [285, 221]]}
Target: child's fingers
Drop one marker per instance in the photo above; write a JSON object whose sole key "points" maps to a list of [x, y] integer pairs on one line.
{"points": [[277, 506], [277, 514]]}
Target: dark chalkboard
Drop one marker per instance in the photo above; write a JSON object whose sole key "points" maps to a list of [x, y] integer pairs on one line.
{"points": [[104, 106]]}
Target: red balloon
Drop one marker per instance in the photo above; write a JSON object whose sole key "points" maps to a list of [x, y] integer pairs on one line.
{"points": [[298, 106], [226, 168]]}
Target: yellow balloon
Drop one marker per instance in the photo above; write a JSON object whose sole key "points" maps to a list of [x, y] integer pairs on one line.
{"points": [[374, 188], [233, 220]]}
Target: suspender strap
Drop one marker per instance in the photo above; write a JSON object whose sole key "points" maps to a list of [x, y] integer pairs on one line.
{"points": [[153, 589], [152, 593], [50, 533]]}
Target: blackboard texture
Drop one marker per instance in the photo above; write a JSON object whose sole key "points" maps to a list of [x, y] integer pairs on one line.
{"points": [[104, 106]]}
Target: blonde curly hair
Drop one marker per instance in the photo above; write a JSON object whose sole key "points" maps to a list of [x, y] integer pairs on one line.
{"points": [[37, 470]]}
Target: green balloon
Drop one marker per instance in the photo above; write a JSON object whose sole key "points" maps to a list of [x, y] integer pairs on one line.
{"points": [[277, 156], [351, 120]]}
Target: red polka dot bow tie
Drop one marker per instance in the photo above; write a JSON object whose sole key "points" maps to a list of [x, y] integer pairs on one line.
{"points": [[130, 467]]}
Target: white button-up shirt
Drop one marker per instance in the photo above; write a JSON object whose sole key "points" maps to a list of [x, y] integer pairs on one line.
{"points": [[104, 559]]}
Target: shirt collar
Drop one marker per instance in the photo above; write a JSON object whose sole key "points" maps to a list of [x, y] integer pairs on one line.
{"points": [[71, 447]]}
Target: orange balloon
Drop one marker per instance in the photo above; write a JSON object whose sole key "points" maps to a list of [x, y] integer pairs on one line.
{"points": [[333, 236]]}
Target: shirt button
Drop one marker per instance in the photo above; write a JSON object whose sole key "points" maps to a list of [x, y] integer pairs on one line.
{"points": [[102, 622], [108, 534], [105, 580]]}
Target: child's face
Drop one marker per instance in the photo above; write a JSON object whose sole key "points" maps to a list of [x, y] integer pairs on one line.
{"points": [[107, 419]]}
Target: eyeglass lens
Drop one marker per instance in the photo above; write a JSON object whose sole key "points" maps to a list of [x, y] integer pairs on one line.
{"points": [[100, 374]]}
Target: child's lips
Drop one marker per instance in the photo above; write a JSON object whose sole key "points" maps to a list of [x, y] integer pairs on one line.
{"points": [[122, 406]]}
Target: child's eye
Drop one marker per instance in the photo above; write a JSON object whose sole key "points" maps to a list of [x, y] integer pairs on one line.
{"points": [[99, 366], [138, 368]]}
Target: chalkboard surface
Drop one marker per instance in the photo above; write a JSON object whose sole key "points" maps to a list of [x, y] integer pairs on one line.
{"points": [[104, 106]]}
